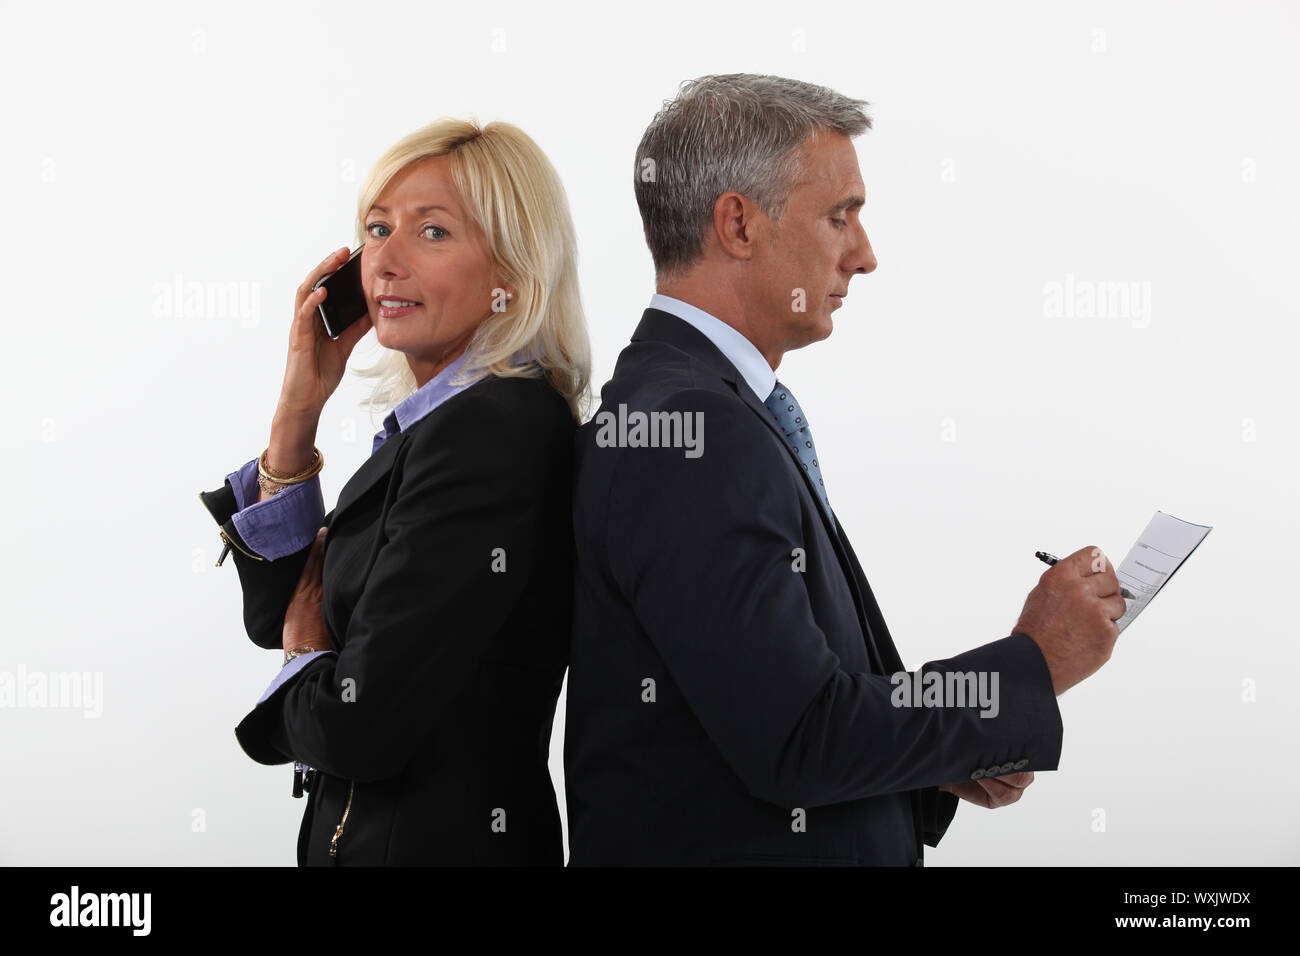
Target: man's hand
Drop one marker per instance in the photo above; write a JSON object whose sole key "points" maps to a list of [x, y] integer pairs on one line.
{"points": [[992, 792], [303, 623], [1071, 615]]}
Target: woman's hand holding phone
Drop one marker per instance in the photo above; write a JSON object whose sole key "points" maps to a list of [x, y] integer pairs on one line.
{"points": [[312, 372]]}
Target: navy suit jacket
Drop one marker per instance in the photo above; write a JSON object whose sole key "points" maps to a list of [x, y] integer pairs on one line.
{"points": [[728, 702]]}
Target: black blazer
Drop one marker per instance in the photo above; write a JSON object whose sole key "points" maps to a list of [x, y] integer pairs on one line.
{"points": [[430, 730], [723, 705]]}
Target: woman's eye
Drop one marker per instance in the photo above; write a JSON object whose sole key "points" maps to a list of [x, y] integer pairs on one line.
{"points": [[439, 232]]}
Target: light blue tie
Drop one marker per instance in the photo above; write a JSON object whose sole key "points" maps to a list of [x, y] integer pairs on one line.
{"points": [[789, 416]]}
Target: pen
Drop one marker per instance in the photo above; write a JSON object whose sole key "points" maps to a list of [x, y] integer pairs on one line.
{"points": [[1052, 559]]}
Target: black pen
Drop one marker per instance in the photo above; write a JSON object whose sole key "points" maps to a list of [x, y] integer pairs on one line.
{"points": [[1052, 559]]}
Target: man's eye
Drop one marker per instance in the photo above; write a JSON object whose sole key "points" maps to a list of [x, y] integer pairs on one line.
{"points": [[840, 222], [442, 233]]}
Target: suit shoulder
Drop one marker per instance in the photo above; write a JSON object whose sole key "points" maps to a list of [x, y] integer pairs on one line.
{"points": [[651, 372], [695, 429], [500, 412]]}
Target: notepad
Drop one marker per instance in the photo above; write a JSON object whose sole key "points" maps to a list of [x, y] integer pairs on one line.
{"points": [[1160, 551]]}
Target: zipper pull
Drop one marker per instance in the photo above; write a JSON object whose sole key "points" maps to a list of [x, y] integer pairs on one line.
{"points": [[338, 831], [230, 544], [297, 778]]}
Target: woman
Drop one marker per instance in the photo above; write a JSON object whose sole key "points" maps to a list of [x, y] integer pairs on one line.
{"points": [[426, 626]]}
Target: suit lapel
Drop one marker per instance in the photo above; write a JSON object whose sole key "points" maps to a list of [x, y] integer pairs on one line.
{"points": [[663, 326], [374, 469], [746, 394], [871, 611], [848, 565]]}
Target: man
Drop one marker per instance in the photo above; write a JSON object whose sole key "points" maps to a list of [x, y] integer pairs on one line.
{"points": [[731, 693]]}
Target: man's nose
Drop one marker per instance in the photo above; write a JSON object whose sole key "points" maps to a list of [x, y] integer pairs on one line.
{"points": [[862, 258]]}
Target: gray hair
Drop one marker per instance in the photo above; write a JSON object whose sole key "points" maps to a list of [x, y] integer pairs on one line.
{"points": [[740, 132]]}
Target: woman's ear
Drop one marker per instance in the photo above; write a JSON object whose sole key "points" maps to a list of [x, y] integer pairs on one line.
{"points": [[503, 296]]}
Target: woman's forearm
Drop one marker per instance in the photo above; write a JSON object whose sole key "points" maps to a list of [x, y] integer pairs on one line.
{"points": [[293, 441]]}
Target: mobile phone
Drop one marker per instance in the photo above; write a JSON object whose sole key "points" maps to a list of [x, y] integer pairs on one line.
{"points": [[345, 300]]}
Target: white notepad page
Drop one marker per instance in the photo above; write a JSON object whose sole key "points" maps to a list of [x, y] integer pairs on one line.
{"points": [[1160, 551]]}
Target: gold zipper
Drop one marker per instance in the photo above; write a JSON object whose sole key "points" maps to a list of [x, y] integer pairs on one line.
{"points": [[231, 544], [338, 830]]}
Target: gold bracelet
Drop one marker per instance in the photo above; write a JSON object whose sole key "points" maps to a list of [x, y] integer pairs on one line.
{"points": [[266, 471], [272, 482], [299, 651]]}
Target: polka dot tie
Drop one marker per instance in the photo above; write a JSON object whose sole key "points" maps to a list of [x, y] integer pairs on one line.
{"points": [[789, 416]]}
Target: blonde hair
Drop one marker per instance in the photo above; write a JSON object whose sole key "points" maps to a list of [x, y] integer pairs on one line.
{"points": [[514, 194]]}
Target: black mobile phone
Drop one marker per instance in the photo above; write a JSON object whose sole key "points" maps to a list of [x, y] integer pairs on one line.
{"points": [[345, 300]]}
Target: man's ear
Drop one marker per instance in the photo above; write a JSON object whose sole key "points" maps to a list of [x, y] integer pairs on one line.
{"points": [[738, 224]]}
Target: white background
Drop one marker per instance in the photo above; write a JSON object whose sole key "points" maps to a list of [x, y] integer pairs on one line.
{"points": [[150, 145]]}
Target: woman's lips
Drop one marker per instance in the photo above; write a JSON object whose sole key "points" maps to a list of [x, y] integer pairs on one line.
{"points": [[396, 313]]}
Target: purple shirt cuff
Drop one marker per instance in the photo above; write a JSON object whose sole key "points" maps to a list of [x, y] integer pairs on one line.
{"points": [[282, 524], [290, 669]]}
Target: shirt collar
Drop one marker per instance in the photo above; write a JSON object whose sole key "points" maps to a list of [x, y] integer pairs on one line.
{"points": [[739, 351], [422, 401]]}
